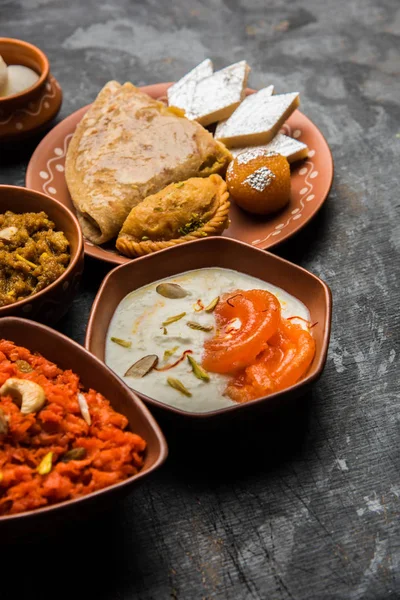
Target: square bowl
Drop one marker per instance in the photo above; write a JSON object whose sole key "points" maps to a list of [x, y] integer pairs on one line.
{"points": [[228, 254], [67, 354]]}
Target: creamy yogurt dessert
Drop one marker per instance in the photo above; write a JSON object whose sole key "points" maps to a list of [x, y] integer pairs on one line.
{"points": [[147, 323]]}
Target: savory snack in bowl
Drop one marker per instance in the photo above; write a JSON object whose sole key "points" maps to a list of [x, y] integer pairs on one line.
{"points": [[58, 441], [32, 255], [205, 339], [181, 212]]}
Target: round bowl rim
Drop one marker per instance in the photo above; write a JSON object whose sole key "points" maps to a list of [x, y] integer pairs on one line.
{"points": [[73, 261], [43, 75]]}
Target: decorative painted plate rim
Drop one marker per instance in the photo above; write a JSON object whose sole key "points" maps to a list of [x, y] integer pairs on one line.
{"points": [[281, 226]]}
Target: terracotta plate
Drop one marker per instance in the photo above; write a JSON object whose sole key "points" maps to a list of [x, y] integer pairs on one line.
{"points": [[311, 181]]}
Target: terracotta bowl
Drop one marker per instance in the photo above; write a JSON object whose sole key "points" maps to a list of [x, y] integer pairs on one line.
{"points": [[225, 253], [50, 304], [30, 110], [93, 373]]}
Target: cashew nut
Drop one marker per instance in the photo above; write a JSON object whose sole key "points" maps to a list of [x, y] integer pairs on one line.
{"points": [[28, 394], [7, 233]]}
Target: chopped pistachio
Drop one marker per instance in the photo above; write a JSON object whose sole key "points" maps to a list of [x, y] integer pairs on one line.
{"points": [[142, 366], [194, 325], [31, 264], [169, 353], [195, 222], [173, 319], [171, 290], [74, 454], [178, 385], [46, 464], [120, 342], [180, 184], [158, 209], [145, 238], [211, 307], [198, 371]]}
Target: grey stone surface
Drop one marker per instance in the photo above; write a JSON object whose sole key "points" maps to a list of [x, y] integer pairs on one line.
{"points": [[306, 505]]}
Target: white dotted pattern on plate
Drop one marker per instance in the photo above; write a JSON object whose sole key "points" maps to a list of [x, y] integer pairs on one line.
{"points": [[306, 195]]}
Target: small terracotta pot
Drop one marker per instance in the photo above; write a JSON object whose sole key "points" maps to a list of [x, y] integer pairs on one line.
{"points": [[50, 304], [18, 52], [31, 110]]}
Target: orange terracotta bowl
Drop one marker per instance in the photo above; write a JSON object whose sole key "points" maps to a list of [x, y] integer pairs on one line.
{"points": [[31, 110], [18, 52], [51, 303], [93, 374], [229, 254]]}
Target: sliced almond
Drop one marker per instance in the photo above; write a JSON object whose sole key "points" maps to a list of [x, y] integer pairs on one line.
{"points": [[83, 405], [171, 290], [143, 366]]}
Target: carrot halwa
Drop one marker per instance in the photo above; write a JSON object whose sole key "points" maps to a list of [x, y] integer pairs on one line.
{"points": [[69, 446]]}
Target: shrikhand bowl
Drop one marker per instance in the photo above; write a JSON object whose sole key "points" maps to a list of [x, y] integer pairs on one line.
{"points": [[213, 253]]}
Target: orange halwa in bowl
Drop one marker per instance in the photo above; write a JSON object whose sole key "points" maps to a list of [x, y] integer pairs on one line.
{"points": [[73, 436]]}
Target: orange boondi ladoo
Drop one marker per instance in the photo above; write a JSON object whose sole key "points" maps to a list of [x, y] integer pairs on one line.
{"points": [[62, 444], [264, 352]]}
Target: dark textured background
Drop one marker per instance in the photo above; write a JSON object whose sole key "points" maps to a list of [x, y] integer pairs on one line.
{"points": [[305, 505]]}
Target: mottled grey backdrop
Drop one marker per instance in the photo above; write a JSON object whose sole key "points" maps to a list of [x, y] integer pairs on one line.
{"points": [[307, 506]]}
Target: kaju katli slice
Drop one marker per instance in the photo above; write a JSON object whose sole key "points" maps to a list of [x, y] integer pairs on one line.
{"points": [[257, 120], [216, 97], [292, 149], [180, 94]]}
